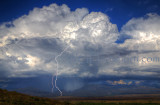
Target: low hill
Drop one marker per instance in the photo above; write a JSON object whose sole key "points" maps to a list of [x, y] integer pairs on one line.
{"points": [[14, 98]]}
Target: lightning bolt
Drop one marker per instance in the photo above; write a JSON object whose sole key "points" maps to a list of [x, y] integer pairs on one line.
{"points": [[56, 59], [52, 83]]}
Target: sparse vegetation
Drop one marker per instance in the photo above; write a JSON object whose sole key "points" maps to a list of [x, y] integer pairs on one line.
{"points": [[86, 103], [14, 98]]}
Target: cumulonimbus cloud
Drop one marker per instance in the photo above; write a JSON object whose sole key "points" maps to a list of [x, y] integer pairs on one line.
{"points": [[30, 43]]}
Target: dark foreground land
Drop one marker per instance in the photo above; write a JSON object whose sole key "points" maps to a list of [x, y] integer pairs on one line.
{"points": [[14, 98]]}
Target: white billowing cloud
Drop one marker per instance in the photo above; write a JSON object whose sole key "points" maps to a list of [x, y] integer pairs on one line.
{"points": [[130, 82], [31, 60], [59, 22], [42, 22], [142, 56], [144, 31], [31, 42], [145, 38], [120, 82], [125, 82]]}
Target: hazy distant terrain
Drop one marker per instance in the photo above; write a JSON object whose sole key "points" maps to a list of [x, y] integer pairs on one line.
{"points": [[74, 86]]}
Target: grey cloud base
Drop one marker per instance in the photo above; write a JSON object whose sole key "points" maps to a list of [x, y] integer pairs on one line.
{"points": [[28, 47]]}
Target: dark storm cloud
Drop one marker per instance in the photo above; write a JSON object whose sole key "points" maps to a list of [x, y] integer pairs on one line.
{"points": [[88, 67], [47, 44], [4, 70]]}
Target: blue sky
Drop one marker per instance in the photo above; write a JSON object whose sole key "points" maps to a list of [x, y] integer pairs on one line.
{"points": [[103, 44], [119, 11]]}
